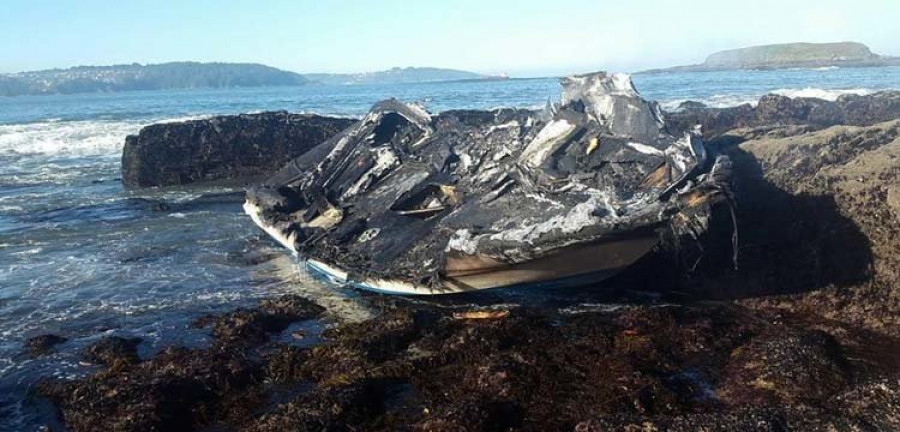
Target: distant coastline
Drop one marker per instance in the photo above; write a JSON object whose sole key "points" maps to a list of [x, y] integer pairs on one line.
{"points": [[409, 75], [788, 56], [194, 75]]}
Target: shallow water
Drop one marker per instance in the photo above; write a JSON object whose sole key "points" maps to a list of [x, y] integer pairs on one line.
{"points": [[82, 257]]}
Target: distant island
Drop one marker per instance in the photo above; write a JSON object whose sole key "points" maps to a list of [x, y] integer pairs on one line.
{"points": [[190, 75], [177, 75], [409, 75], [789, 55]]}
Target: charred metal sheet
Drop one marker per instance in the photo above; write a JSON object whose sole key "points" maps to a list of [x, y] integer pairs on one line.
{"points": [[406, 201]]}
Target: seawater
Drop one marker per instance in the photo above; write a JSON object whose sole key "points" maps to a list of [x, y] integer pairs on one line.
{"points": [[83, 257]]}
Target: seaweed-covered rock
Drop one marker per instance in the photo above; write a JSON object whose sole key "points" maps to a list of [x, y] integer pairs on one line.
{"points": [[785, 365], [816, 208], [252, 326], [177, 390], [419, 367], [232, 147], [43, 344], [775, 110], [355, 406], [113, 350]]}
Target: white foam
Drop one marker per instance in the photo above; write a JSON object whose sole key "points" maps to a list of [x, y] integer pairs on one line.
{"points": [[714, 101], [732, 100], [818, 93], [76, 138]]}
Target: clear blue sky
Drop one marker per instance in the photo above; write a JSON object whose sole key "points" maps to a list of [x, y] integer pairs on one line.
{"points": [[522, 38]]}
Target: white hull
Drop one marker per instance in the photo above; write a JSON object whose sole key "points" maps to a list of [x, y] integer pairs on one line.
{"points": [[575, 265]]}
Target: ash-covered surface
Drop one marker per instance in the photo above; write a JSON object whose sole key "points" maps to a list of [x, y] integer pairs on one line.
{"points": [[408, 196]]}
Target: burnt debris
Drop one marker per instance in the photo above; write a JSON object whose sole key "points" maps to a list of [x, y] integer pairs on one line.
{"points": [[409, 202]]}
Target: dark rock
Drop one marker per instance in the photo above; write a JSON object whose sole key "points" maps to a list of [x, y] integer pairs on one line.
{"points": [[350, 407], [184, 389], [285, 364], [785, 365], [177, 390], [749, 420], [253, 326], [43, 344], [817, 210], [691, 105], [774, 110], [291, 307], [113, 351], [714, 121], [414, 367], [235, 147]]}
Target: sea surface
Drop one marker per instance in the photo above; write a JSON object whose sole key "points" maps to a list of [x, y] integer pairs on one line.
{"points": [[82, 257]]}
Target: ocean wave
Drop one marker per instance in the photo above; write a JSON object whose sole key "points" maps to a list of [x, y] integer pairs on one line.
{"points": [[73, 138], [819, 93], [732, 100], [69, 138], [714, 101]]}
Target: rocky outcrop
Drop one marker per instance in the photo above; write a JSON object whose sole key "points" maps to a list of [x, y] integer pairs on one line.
{"points": [[774, 110], [810, 343], [42, 344], [243, 146], [819, 218]]}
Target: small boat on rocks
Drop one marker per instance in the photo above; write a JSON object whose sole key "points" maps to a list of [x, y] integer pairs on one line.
{"points": [[409, 202]]}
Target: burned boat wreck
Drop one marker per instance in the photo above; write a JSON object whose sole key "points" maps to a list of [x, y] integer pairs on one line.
{"points": [[408, 202]]}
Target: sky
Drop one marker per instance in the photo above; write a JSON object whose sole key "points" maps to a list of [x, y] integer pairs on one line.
{"points": [[519, 38]]}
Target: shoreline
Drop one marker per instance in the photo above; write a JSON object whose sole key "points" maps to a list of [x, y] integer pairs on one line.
{"points": [[817, 274]]}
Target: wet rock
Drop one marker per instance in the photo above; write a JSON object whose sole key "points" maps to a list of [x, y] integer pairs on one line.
{"points": [[178, 389], [785, 365], [113, 351], [761, 421], [415, 367], [285, 364], [291, 307], [799, 418], [351, 407], [691, 105], [253, 326], [43, 344], [775, 110], [234, 147]]}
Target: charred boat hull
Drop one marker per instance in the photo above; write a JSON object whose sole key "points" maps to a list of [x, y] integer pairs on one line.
{"points": [[406, 202], [573, 266]]}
